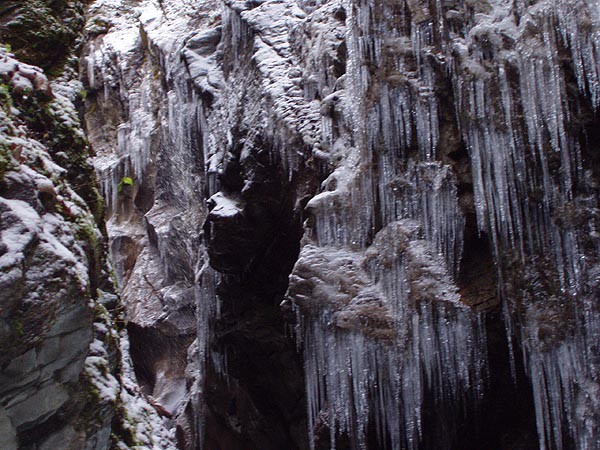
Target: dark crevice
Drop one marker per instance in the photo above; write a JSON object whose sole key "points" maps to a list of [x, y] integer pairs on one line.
{"points": [[505, 419], [153, 352]]}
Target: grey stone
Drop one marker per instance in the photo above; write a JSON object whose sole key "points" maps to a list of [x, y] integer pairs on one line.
{"points": [[48, 350], [64, 439], [39, 406], [21, 371], [8, 435], [73, 317]]}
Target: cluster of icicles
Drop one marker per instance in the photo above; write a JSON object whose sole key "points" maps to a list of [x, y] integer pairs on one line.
{"points": [[510, 95], [508, 88]]}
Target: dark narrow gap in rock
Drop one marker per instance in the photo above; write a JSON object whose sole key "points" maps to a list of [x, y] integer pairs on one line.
{"points": [[377, 206], [265, 392], [590, 137], [339, 64], [585, 124], [259, 401], [156, 357], [141, 357], [505, 419]]}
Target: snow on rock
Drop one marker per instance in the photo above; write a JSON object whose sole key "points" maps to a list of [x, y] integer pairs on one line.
{"points": [[430, 124], [48, 247], [140, 418], [223, 207], [144, 116]]}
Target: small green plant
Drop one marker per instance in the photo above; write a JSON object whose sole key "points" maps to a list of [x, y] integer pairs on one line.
{"points": [[85, 231], [18, 326], [125, 181], [6, 162], [99, 205], [114, 279], [83, 94]]}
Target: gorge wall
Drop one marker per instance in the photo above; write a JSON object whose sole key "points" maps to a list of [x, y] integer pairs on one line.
{"points": [[329, 224]]}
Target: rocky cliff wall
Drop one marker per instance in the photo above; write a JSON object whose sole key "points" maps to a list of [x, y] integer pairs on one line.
{"points": [[52, 267], [439, 161], [65, 372], [333, 224]]}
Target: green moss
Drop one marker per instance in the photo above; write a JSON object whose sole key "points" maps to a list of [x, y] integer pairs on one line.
{"points": [[6, 102], [70, 148], [57, 126], [124, 429], [92, 398], [114, 279], [125, 181], [85, 231], [6, 161], [17, 325], [42, 32], [98, 210], [97, 25]]}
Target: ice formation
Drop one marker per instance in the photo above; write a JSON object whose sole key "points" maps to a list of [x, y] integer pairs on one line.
{"points": [[378, 329], [506, 72], [380, 100]]}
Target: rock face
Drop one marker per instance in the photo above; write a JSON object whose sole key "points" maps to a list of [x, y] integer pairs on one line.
{"points": [[333, 224], [50, 247], [425, 173], [43, 32], [64, 365], [143, 119]]}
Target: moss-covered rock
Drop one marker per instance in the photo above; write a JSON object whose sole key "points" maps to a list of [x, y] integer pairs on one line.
{"points": [[52, 260], [54, 122], [42, 32]]}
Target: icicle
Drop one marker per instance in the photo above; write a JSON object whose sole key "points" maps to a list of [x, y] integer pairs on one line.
{"points": [[516, 143], [378, 330], [579, 25], [357, 379]]}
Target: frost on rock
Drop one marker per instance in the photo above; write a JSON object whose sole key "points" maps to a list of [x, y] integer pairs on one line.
{"points": [[144, 115], [380, 319], [140, 419], [42, 217], [50, 264], [530, 183], [427, 123], [134, 418], [522, 82]]}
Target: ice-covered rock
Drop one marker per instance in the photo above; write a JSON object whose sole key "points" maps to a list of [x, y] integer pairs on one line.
{"points": [[435, 153]]}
